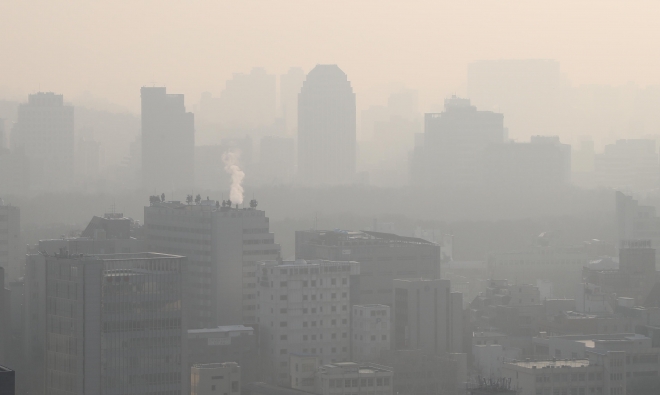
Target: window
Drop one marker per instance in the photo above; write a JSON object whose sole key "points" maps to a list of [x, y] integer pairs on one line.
{"points": [[304, 337], [283, 337], [344, 281], [344, 308], [284, 297], [283, 324], [234, 386], [313, 310], [384, 337], [313, 283], [386, 381], [213, 387], [343, 295], [355, 382], [343, 335], [347, 383], [334, 322], [334, 335], [282, 311], [344, 321], [333, 308], [333, 281], [283, 283], [283, 351], [379, 381], [305, 283], [304, 324], [305, 310], [304, 297], [333, 296]]}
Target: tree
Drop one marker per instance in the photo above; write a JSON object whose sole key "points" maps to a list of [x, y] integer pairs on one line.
{"points": [[198, 198], [162, 197], [189, 199]]}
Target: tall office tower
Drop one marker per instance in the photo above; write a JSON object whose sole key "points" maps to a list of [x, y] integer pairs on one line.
{"points": [[11, 249], [326, 127], [290, 84], [382, 256], [35, 322], [455, 141], [44, 131], [371, 332], [249, 101], [113, 324], [543, 162], [628, 165], [214, 378], [635, 222], [5, 318], [277, 160], [528, 91], [223, 245], [304, 308], [427, 315], [168, 141]]}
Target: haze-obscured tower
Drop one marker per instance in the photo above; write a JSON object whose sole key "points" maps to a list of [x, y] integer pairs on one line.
{"points": [[44, 131], [326, 127], [168, 141], [290, 84]]}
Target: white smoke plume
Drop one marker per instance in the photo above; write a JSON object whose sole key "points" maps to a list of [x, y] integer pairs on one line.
{"points": [[231, 160]]}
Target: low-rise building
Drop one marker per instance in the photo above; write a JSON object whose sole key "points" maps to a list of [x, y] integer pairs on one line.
{"points": [[303, 371], [352, 378], [370, 330], [232, 343], [215, 378], [599, 374]]}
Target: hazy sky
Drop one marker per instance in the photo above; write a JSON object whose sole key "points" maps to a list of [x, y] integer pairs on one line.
{"points": [[111, 48]]}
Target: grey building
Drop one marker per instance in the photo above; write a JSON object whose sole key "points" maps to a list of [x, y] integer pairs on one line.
{"points": [[5, 318], [223, 246], [326, 127], [113, 324], [383, 257], [168, 141], [233, 343], [111, 234], [44, 131], [12, 249], [7, 381], [455, 141], [427, 315]]}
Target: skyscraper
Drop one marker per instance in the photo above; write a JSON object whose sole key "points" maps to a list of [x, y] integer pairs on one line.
{"points": [[455, 140], [290, 84], [11, 249], [112, 324], [168, 141], [326, 127], [44, 131], [223, 245]]}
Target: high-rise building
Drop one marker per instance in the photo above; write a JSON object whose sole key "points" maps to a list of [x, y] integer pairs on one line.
{"points": [[326, 128], [11, 250], [223, 246], [455, 141], [249, 101], [290, 84], [5, 318], [113, 324], [370, 328], [636, 222], [304, 308], [427, 315], [382, 256], [629, 165], [215, 378], [44, 131], [168, 141]]}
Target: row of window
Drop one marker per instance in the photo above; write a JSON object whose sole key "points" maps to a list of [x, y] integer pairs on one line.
{"points": [[361, 382], [557, 377]]}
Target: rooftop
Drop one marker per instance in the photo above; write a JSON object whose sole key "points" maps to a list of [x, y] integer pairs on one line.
{"points": [[223, 329], [337, 236], [559, 363]]}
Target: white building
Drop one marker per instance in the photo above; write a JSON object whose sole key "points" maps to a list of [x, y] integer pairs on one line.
{"points": [[600, 374], [371, 331], [11, 249], [44, 130], [349, 378], [302, 369], [304, 308], [215, 379], [223, 246]]}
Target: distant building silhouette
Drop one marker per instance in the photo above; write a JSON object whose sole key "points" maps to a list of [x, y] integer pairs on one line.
{"points": [[629, 165], [276, 160], [249, 101], [290, 84], [455, 141], [12, 250], [168, 141], [44, 131], [326, 128]]}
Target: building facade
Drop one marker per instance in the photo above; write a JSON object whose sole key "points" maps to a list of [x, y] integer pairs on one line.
{"points": [[235, 343], [223, 246], [11, 249], [371, 331], [304, 308], [383, 257], [352, 378], [168, 141], [44, 131], [215, 378], [427, 315], [326, 128]]}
